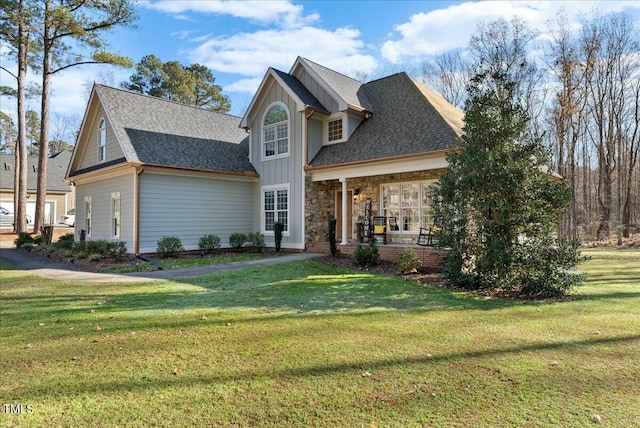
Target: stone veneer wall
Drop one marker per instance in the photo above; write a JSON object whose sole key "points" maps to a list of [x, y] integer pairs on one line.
{"points": [[321, 205]]}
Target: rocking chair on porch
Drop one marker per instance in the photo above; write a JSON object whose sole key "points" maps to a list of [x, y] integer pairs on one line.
{"points": [[429, 237], [379, 225]]}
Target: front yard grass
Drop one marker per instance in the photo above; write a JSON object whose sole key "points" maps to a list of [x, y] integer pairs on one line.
{"points": [[306, 344], [181, 263]]}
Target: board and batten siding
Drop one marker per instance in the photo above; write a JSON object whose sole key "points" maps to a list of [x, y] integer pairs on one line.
{"points": [[190, 207], [90, 156], [318, 91], [280, 171], [100, 193]]}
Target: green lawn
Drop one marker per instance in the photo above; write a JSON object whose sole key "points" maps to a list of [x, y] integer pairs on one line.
{"points": [[181, 263], [305, 344]]}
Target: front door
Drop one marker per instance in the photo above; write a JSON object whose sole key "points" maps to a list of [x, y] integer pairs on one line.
{"points": [[339, 214]]}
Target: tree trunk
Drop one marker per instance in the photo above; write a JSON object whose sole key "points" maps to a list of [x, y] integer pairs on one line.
{"points": [[20, 185], [43, 156]]}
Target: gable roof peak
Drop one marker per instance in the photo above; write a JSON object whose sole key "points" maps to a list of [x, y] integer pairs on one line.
{"points": [[346, 91], [317, 65]]}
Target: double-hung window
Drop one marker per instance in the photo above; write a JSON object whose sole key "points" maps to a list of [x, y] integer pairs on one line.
{"points": [[275, 132], [410, 203], [115, 215], [87, 215], [275, 207], [102, 141]]}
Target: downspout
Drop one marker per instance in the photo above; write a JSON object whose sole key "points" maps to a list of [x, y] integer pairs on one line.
{"points": [[136, 209]]}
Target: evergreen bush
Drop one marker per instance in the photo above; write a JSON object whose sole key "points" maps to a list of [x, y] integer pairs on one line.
{"points": [[278, 229], [237, 240], [209, 243], [409, 262], [366, 255], [168, 246]]}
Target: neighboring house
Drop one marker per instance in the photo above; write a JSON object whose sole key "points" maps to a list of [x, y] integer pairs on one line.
{"points": [[60, 196], [314, 145]]}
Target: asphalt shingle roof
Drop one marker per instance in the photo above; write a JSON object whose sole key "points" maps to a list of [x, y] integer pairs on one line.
{"points": [[159, 132], [349, 89], [406, 120], [56, 170], [300, 90]]}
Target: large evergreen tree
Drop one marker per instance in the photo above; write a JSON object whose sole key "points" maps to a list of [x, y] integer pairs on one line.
{"points": [[498, 208], [193, 85]]}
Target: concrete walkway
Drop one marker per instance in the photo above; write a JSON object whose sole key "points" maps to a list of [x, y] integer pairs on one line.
{"points": [[49, 269]]}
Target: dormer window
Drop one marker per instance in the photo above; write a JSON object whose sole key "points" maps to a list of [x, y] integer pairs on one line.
{"points": [[275, 132], [102, 141], [335, 130]]}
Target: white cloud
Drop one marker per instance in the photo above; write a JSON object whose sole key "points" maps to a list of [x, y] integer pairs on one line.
{"points": [[450, 28], [182, 34], [248, 85], [250, 54], [282, 13]]}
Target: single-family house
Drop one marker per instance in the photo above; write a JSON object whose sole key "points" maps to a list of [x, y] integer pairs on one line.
{"points": [[60, 196], [145, 168], [313, 145]]}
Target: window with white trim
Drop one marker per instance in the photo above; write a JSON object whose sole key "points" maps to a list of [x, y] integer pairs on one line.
{"points": [[410, 203], [87, 215], [115, 215], [335, 130], [102, 141], [275, 132], [275, 207]]}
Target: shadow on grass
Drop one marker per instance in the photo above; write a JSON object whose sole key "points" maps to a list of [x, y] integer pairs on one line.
{"points": [[132, 385], [301, 288]]}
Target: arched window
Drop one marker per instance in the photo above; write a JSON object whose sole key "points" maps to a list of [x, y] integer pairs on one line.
{"points": [[102, 141], [275, 132]]}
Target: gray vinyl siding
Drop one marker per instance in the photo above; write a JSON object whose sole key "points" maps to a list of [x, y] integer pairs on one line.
{"points": [[314, 87], [100, 193], [191, 207], [316, 136], [352, 124], [286, 170], [113, 147]]}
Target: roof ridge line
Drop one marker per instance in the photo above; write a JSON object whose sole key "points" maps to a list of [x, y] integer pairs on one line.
{"points": [[126, 91]]}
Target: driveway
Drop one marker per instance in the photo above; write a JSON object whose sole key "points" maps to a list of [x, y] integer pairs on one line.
{"points": [[48, 269]]}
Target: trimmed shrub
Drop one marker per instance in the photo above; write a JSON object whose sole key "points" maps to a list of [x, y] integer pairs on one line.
{"points": [[256, 240], [79, 247], [65, 242], [278, 228], [209, 243], [80, 254], [94, 257], [23, 237], [332, 237], [169, 246], [28, 246], [409, 262], [119, 249], [237, 240], [98, 246], [366, 256]]}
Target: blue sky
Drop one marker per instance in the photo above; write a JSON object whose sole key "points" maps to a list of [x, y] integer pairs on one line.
{"points": [[239, 40]]}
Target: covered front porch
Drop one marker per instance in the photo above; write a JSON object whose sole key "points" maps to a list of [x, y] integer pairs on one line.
{"points": [[398, 203]]}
